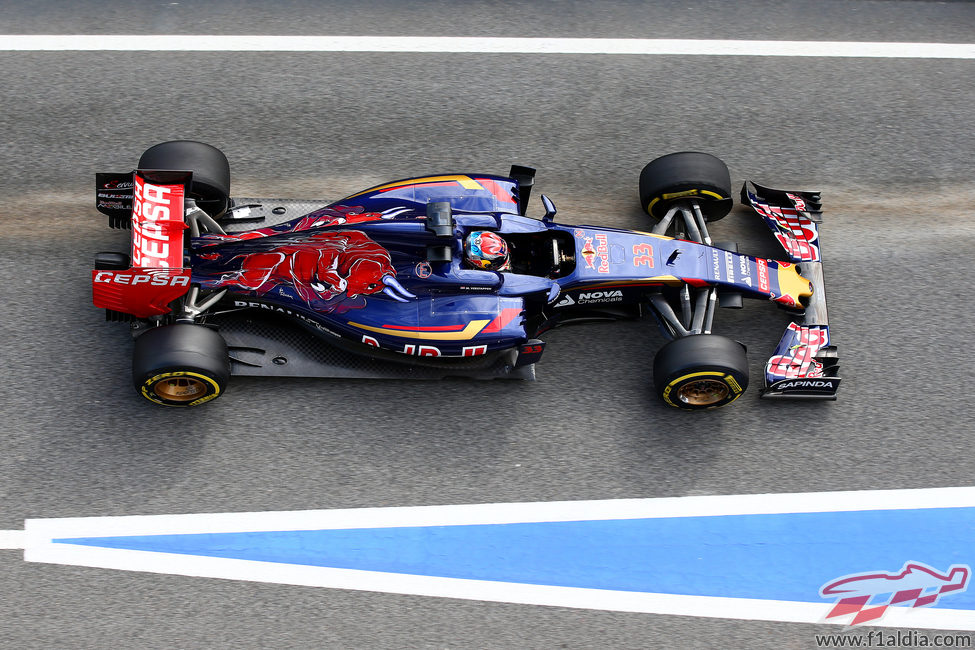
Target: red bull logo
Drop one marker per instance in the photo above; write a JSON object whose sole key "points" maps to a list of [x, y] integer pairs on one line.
{"points": [[798, 236], [797, 200], [798, 358], [603, 252], [596, 257], [589, 253], [866, 596], [783, 367], [796, 232]]}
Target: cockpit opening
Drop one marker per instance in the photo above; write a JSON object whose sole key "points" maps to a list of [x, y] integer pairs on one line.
{"points": [[549, 254]]}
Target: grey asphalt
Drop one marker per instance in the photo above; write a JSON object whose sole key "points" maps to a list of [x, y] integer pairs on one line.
{"points": [[889, 142]]}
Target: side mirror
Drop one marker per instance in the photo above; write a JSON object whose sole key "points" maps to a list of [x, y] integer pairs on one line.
{"points": [[549, 209]]}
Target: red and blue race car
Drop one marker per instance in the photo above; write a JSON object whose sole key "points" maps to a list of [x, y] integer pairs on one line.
{"points": [[444, 276]]}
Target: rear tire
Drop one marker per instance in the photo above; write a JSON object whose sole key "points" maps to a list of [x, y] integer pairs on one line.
{"points": [[701, 371], [211, 171], [682, 176], [180, 365]]}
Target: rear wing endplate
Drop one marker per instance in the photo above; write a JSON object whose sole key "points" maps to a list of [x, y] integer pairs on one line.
{"points": [[155, 214]]}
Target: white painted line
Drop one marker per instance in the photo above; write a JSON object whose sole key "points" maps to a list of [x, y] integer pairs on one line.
{"points": [[12, 539], [38, 542], [41, 530], [506, 592], [483, 45]]}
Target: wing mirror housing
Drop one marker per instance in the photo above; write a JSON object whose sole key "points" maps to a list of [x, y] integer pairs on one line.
{"points": [[550, 210]]}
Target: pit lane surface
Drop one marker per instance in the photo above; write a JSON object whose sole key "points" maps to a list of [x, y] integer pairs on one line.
{"points": [[887, 141]]}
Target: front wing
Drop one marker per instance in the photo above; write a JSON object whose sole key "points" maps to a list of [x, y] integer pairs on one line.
{"points": [[805, 362]]}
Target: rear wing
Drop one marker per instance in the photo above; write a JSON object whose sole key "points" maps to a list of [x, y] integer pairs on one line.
{"points": [[805, 362], [156, 274]]}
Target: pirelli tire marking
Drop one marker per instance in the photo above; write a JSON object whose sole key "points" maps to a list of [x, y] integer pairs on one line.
{"points": [[680, 195], [211, 386], [734, 388]]}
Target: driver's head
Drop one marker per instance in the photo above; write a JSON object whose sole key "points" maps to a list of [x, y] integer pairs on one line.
{"points": [[487, 250]]}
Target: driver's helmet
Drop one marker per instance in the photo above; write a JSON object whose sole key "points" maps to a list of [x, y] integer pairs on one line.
{"points": [[487, 250]]}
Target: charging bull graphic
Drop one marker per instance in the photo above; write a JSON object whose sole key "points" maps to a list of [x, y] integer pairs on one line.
{"points": [[324, 269], [916, 583]]}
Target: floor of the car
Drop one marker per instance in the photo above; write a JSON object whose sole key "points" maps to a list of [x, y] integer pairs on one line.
{"points": [[270, 346]]}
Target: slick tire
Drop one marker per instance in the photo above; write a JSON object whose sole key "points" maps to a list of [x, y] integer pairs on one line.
{"points": [[180, 365], [211, 171], [683, 176], [701, 371]]}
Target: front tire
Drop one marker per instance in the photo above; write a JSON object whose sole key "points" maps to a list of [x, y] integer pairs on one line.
{"points": [[701, 371], [683, 176], [180, 365]]}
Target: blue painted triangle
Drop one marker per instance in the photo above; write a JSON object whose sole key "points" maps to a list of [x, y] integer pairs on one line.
{"points": [[779, 557]]}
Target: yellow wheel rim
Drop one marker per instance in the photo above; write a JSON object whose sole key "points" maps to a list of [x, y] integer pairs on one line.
{"points": [[703, 392], [179, 389]]}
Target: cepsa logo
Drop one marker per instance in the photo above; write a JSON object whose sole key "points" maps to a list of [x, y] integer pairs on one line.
{"points": [[157, 220], [763, 281], [152, 278]]}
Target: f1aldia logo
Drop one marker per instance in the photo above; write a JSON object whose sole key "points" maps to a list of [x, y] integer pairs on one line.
{"points": [[868, 595]]}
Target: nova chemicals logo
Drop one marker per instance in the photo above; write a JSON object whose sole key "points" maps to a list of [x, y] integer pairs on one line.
{"points": [[600, 296], [868, 595]]}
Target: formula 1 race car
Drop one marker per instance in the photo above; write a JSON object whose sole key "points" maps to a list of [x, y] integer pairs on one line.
{"points": [[443, 276]]}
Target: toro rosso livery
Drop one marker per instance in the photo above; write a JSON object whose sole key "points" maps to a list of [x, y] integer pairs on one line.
{"points": [[444, 276]]}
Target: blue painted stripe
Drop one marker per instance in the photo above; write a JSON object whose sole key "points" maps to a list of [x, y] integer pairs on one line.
{"points": [[780, 557]]}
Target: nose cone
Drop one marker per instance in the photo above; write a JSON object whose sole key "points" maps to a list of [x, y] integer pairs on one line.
{"points": [[795, 289]]}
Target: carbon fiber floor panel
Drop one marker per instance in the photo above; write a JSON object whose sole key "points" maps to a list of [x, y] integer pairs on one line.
{"points": [[261, 346], [250, 213]]}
